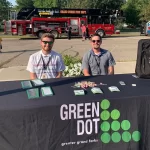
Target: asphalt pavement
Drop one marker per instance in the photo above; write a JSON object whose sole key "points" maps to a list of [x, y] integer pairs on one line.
{"points": [[16, 52]]}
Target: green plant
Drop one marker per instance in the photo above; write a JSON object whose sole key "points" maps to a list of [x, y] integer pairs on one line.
{"points": [[73, 66], [69, 59]]}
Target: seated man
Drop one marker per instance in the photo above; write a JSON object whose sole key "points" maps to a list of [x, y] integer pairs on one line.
{"points": [[46, 63], [97, 61]]}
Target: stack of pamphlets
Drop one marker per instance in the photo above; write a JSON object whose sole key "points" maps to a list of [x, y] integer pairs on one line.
{"points": [[33, 93], [26, 84], [38, 82], [113, 89], [79, 92], [47, 91], [96, 90]]}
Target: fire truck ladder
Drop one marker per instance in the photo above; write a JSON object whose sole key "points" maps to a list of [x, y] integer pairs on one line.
{"points": [[28, 17]]}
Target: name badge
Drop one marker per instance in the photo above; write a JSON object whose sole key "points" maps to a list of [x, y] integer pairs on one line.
{"points": [[44, 76]]}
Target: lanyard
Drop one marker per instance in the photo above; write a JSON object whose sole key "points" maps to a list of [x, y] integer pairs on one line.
{"points": [[44, 64], [98, 63]]}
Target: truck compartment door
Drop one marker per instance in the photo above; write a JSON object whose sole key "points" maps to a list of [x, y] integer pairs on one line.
{"points": [[74, 25]]}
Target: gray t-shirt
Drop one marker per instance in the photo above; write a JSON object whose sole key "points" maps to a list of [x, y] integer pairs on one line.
{"points": [[98, 65]]}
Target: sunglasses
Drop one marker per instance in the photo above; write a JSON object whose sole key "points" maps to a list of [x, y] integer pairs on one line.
{"points": [[95, 41], [48, 42]]}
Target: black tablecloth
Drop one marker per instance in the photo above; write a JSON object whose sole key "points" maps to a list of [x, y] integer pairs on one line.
{"points": [[67, 122]]}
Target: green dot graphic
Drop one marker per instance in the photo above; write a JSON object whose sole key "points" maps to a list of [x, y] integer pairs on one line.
{"points": [[126, 136], [105, 104], [105, 115], [115, 114], [125, 125], [115, 125], [105, 138], [116, 137], [136, 136], [105, 126]]}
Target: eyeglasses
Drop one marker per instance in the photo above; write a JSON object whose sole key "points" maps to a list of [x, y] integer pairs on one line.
{"points": [[95, 41], [48, 42]]}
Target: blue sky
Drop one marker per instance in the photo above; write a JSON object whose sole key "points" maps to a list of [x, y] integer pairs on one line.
{"points": [[12, 1]]}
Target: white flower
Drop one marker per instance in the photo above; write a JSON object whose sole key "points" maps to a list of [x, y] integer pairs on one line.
{"points": [[66, 69], [73, 70], [67, 75], [79, 64], [70, 70], [71, 65], [76, 65]]}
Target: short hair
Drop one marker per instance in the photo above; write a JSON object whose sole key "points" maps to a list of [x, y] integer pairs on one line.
{"points": [[49, 35], [96, 34]]}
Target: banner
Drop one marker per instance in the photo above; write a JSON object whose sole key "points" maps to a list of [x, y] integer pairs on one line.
{"points": [[101, 120]]}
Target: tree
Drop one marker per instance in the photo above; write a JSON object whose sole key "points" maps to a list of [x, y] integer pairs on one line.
{"points": [[4, 9], [144, 10], [46, 3], [104, 4], [110, 4], [24, 3], [132, 11], [77, 4]]}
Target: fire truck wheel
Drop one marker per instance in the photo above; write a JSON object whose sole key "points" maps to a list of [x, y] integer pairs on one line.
{"points": [[101, 33], [55, 33]]}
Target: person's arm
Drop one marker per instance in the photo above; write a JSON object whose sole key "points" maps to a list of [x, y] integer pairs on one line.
{"points": [[86, 72], [111, 70], [31, 69], [111, 64], [59, 74], [32, 76], [85, 65], [60, 67]]}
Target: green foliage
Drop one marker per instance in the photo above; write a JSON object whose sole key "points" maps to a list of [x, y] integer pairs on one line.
{"points": [[36, 3], [132, 12], [45, 3], [110, 4], [145, 12], [70, 60], [4, 9], [136, 11], [77, 4], [73, 66], [24, 3], [104, 4]]}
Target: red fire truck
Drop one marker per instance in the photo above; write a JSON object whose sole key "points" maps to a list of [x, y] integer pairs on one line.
{"points": [[56, 21], [18, 27]]}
